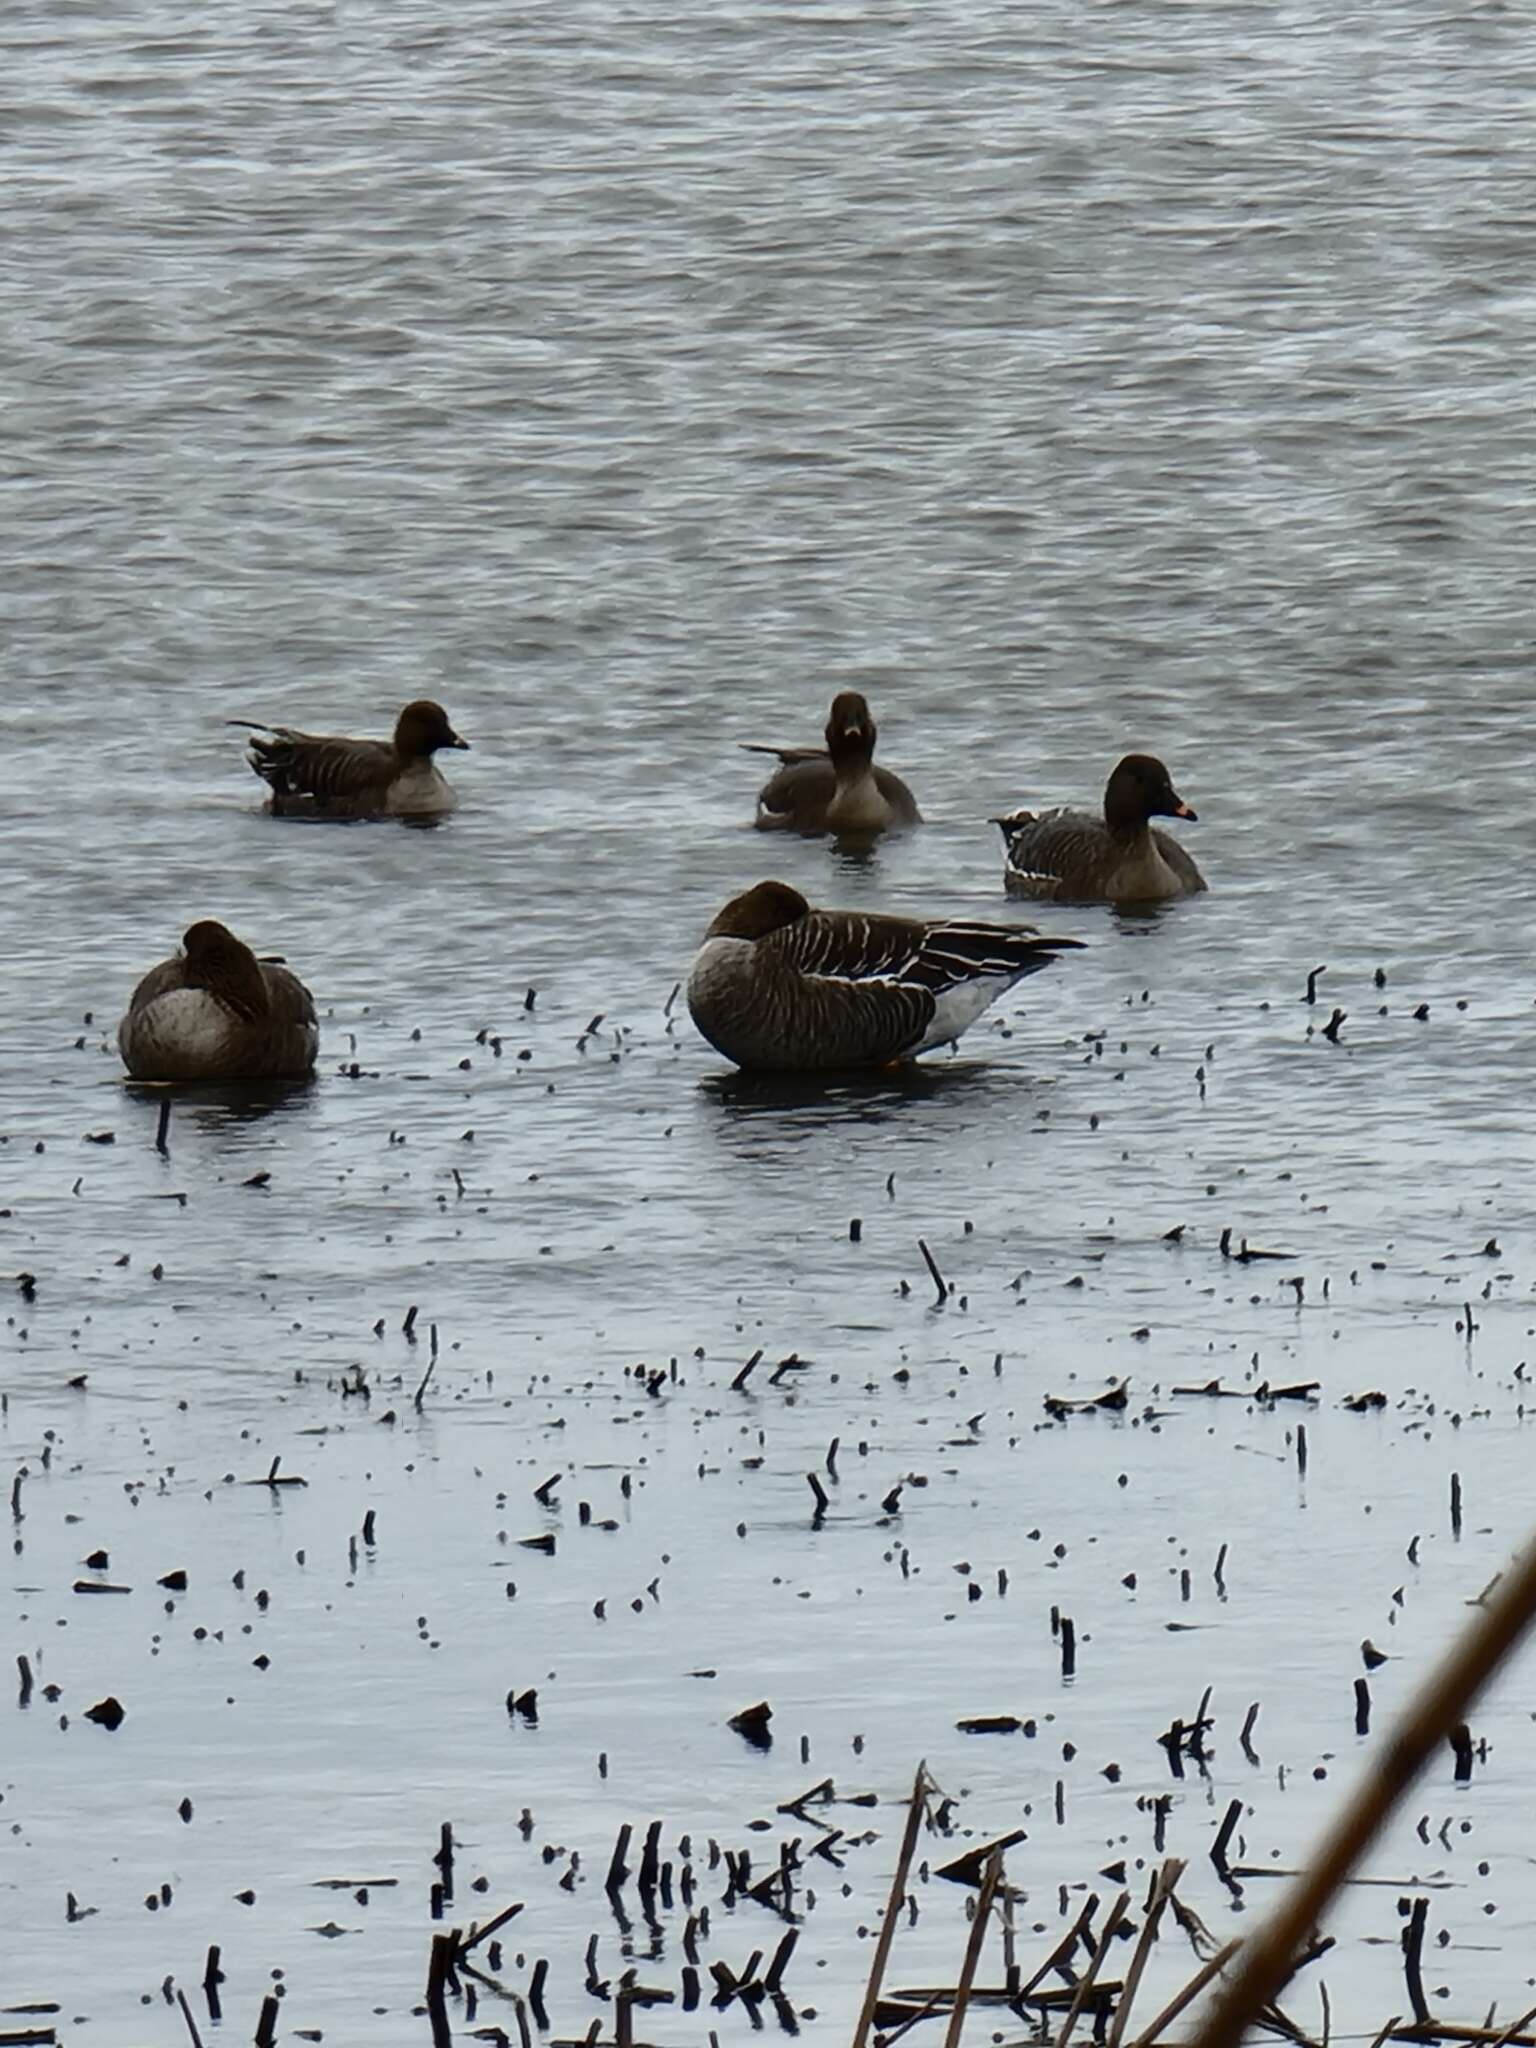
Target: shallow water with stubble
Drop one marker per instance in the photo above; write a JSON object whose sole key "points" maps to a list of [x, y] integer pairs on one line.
{"points": [[632, 378]]}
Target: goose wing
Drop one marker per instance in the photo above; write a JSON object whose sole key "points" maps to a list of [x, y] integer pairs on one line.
{"points": [[896, 793], [891, 974], [788, 755], [289, 1001], [849, 945], [1047, 850], [797, 794], [324, 766], [964, 949], [852, 997], [858, 946]]}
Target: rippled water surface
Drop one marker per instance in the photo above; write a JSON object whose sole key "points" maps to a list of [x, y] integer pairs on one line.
{"points": [[1065, 378]]}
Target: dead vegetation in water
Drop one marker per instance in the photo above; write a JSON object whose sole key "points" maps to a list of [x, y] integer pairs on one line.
{"points": [[1248, 1977], [1085, 1986]]}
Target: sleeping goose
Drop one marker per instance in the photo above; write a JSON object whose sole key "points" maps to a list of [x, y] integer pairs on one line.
{"points": [[217, 1013], [318, 775], [779, 985], [1119, 858], [840, 790]]}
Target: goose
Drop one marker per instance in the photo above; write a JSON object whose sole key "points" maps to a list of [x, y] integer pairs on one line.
{"points": [[318, 775], [1118, 858], [840, 790], [778, 985], [215, 1012]]}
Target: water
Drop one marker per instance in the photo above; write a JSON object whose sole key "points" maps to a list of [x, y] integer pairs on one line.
{"points": [[632, 380]]}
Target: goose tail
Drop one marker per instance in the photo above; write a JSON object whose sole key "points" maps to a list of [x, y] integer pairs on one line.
{"points": [[965, 951]]}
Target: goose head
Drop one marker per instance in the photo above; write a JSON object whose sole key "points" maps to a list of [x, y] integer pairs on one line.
{"points": [[422, 728], [1141, 788]]}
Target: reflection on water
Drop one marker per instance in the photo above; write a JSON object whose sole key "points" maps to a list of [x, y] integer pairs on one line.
{"points": [[858, 1096], [228, 1104], [853, 851], [1140, 920]]}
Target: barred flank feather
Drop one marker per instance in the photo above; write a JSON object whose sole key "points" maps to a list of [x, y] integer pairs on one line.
{"points": [[333, 771]]}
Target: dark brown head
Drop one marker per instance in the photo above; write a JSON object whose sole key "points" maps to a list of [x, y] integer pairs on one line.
{"points": [[1140, 788], [217, 961], [850, 729], [422, 728], [757, 912]]}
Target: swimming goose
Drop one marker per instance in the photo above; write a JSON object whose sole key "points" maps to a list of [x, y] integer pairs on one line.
{"points": [[318, 775], [217, 1013], [779, 985], [840, 790], [1119, 858]]}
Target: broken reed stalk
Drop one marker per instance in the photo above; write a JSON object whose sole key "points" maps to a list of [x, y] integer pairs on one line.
{"points": [[186, 2013], [1090, 1976], [746, 1371], [1438, 2031], [1162, 1891], [934, 1274], [520, 2014], [1063, 1948], [1438, 1706], [1191, 1991], [439, 1974], [991, 1879], [476, 1935], [1413, 1960], [887, 1932], [420, 1393], [925, 2011]]}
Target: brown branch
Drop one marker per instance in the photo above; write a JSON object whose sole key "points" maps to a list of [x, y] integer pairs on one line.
{"points": [[991, 1879], [915, 1809], [1439, 1705], [1192, 1990], [1162, 1887], [1090, 1975]]}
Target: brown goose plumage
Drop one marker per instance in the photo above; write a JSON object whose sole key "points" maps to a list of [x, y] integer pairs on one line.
{"points": [[839, 790], [1121, 857], [217, 1013], [777, 985], [320, 775]]}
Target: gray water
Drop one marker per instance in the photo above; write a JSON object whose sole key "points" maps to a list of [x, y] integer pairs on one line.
{"points": [[1065, 378]]}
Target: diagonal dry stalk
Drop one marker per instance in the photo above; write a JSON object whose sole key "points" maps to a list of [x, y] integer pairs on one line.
{"points": [[1090, 1976], [915, 1810], [991, 1879], [1162, 1891], [1063, 1948], [1191, 1991], [1441, 1704]]}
